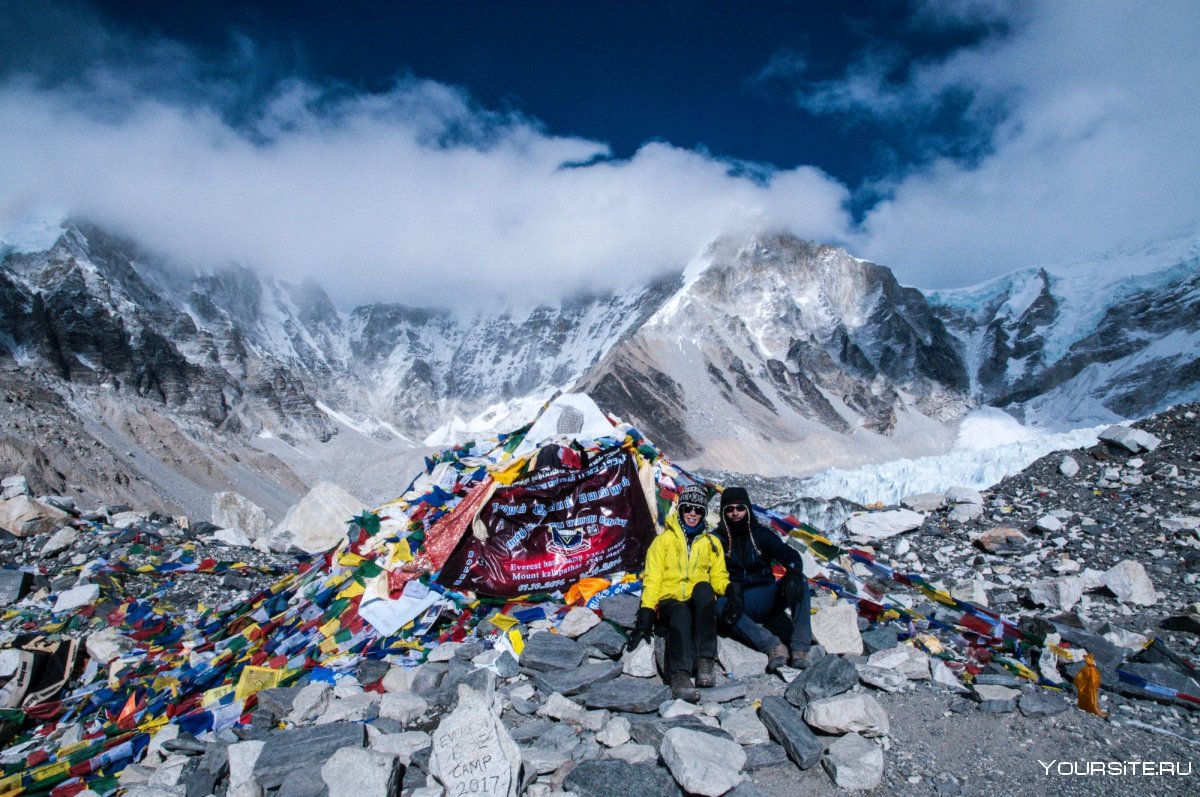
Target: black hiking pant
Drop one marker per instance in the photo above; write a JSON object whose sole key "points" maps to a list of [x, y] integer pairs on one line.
{"points": [[691, 629]]}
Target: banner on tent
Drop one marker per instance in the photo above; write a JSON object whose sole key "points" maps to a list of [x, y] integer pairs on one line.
{"points": [[549, 529]]}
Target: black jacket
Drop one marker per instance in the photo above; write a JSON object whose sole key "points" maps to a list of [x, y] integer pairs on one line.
{"points": [[749, 557]]}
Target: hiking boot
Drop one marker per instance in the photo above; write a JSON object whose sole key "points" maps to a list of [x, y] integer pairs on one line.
{"points": [[802, 659], [681, 687], [777, 657], [705, 679]]}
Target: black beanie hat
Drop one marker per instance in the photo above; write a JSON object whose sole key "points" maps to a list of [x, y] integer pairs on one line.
{"points": [[735, 495], [693, 495]]}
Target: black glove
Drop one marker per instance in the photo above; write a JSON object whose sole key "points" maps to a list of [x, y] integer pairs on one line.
{"points": [[643, 629], [734, 605], [794, 585]]}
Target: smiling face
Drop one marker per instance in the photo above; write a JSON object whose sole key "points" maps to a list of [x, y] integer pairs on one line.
{"points": [[691, 514], [736, 512]]}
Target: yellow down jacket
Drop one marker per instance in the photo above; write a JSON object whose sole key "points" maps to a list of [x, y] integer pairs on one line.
{"points": [[672, 571]]}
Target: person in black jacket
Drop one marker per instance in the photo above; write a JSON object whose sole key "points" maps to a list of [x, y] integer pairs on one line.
{"points": [[754, 609]]}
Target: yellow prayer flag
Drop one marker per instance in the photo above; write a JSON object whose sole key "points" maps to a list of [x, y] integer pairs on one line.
{"points": [[330, 628], [255, 679], [215, 694], [502, 621], [350, 560], [518, 644], [509, 473], [352, 590]]}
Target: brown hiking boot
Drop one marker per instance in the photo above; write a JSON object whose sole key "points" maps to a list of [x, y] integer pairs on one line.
{"points": [[705, 678], [777, 657], [802, 659], [681, 687]]}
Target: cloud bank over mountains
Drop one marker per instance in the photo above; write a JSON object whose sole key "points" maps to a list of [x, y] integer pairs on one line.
{"points": [[1085, 118]]}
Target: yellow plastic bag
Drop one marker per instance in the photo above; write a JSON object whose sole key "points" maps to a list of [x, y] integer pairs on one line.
{"points": [[1087, 684]]}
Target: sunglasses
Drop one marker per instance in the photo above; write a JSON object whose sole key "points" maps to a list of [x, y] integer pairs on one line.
{"points": [[735, 508], [691, 509]]}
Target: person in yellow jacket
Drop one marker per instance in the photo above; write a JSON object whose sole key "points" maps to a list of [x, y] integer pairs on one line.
{"points": [[684, 574]]}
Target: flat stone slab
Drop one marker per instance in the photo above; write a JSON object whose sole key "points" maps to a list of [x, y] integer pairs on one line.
{"points": [[1042, 704], [612, 777], [548, 651], [734, 690], [633, 696], [787, 727], [572, 682], [765, 756], [287, 750]]}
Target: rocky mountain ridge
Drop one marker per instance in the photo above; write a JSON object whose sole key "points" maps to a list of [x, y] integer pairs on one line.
{"points": [[769, 355]]}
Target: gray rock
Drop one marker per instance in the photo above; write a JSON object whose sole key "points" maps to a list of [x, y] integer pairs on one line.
{"points": [[542, 760], [738, 660], [628, 695], [787, 727], [879, 638], [702, 764], [289, 749], [640, 662], [530, 730], [835, 628], [12, 486], [579, 679], [748, 789], [1132, 440], [621, 609], [651, 731], [1129, 582], [605, 639], [924, 502], [882, 678], [13, 585], [853, 763], [611, 777], [827, 677], [858, 712], [401, 745], [305, 781], [404, 707], [1106, 653], [577, 622], [734, 690], [745, 727], [546, 651], [1068, 467], [615, 733], [471, 745], [996, 699], [1042, 703], [232, 510], [765, 756]]}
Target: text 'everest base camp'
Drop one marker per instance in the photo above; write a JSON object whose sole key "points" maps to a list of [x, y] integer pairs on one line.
{"points": [[470, 637]]}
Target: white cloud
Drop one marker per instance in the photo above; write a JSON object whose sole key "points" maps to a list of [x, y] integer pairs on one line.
{"points": [[418, 195], [413, 195], [1098, 148]]}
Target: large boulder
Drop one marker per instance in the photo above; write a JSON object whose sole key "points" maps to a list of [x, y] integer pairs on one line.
{"points": [[318, 522], [235, 511], [702, 763], [854, 763], [835, 628], [24, 516], [872, 526], [1129, 582]]}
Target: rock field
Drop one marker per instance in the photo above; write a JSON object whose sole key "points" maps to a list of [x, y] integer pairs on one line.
{"points": [[1095, 550]]}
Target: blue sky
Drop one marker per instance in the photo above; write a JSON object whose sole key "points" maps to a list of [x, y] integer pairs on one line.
{"points": [[435, 151]]}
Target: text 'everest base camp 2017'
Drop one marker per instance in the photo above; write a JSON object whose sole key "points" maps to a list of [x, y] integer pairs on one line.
{"points": [[966, 617]]}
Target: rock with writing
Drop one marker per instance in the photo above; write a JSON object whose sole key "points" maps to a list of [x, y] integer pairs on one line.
{"points": [[473, 753]]}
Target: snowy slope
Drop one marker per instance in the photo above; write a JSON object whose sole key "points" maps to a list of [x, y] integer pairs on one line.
{"points": [[1084, 342]]}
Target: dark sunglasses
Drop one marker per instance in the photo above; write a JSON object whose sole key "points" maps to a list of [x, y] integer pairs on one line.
{"points": [[734, 508], [685, 508]]}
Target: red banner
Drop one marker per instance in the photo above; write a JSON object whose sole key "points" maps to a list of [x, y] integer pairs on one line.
{"points": [[548, 530]]}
